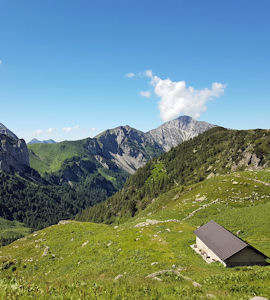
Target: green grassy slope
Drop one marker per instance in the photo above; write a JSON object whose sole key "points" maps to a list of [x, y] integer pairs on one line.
{"points": [[217, 151], [11, 231], [73, 161], [50, 157], [83, 260]]}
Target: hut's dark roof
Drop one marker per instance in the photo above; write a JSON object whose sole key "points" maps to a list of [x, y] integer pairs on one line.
{"points": [[221, 241]]}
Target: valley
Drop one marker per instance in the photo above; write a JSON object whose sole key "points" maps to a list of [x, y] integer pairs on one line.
{"points": [[134, 150], [148, 255], [70, 176], [136, 243]]}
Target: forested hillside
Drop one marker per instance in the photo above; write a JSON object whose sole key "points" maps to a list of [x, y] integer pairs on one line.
{"points": [[217, 151], [40, 205]]}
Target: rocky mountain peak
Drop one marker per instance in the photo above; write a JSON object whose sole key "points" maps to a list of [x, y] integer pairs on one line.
{"points": [[121, 134], [4, 130], [13, 152], [183, 128], [128, 147]]}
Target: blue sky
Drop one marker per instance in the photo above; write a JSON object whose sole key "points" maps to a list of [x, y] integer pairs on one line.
{"points": [[63, 64]]}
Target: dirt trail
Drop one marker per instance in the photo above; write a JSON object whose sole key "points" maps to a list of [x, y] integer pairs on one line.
{"points": [[198, 209], [253, 179], [175, 271]]}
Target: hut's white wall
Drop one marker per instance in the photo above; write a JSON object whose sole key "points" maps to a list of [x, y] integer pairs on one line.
{"points": [[247, 256], [201, 245]]}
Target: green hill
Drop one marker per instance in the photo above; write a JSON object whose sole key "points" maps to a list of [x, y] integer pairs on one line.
{"points": [[72, 161], [149, 256], [217, 151], [50, 157]]}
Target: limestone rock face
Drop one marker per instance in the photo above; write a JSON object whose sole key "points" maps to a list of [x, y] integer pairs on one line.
{"points": [[13, 152], [172, 133], [248, 161], [4, 130], [127, 147]]}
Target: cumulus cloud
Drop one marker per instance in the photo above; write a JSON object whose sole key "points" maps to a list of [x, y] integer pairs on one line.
{"points": [[176, 98], [51, 130], [130, 75], [37, 132], [145, 94], [69, 129]]}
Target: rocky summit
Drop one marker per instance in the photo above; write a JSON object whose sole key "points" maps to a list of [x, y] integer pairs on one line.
{"points": [[172, 133], [6, 131], [13, 152], [127, 147]]}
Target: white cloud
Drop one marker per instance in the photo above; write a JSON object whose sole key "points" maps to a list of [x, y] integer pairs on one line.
{"points": [[93, 129], [145, 94], [1, 62], [37, 132], [178, 99], [130, 75], [69, 129], [51, 130]]}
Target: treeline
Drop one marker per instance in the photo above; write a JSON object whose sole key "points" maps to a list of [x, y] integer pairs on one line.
{"points": [[217, 151]]}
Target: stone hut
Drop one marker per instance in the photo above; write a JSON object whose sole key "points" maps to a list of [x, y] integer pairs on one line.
{"points": [[215, 243]]}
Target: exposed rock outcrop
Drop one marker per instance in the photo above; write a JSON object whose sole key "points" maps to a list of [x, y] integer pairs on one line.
{"points": [[4, 130], [249, 160], [13, 154], [127, 147], [172, 133]]}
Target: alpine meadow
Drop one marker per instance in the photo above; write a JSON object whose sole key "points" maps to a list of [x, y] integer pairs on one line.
{"points": [[135, 150]]}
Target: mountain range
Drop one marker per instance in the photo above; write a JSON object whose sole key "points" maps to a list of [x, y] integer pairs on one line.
{"points": [[79, 173], [36, 141], [123, 147], [143, 252]]}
